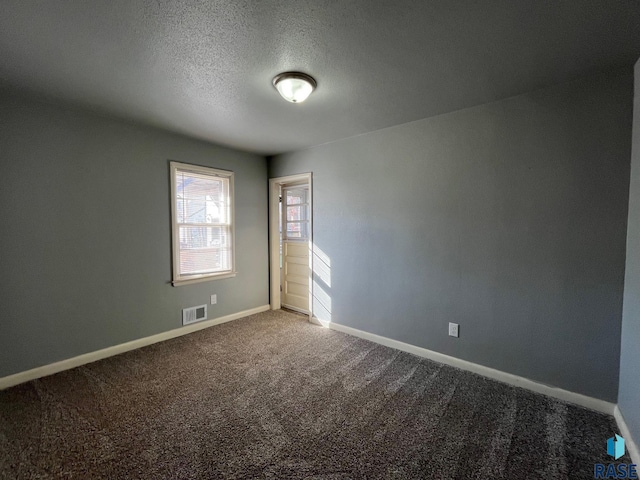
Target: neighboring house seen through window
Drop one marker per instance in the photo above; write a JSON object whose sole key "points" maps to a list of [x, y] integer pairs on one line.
{"points": [[202, 223]]}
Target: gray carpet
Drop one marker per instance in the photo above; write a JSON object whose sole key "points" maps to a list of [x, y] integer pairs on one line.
{"points": [[272, 396]]}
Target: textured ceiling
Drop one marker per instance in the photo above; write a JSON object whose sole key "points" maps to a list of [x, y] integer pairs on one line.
{"points": [[204, 68]]}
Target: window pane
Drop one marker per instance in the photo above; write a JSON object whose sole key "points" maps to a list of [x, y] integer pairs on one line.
{"points": [[297, 230], [296, 196], [201, 198], [295, 212], [204, 250], [293, 235]]}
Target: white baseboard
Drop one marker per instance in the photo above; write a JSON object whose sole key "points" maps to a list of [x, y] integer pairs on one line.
{"points": [[632, 446], [28, 375], [567, 396]]}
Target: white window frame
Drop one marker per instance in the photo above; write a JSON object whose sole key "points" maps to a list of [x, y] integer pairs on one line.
{"points": [[177, 278]]}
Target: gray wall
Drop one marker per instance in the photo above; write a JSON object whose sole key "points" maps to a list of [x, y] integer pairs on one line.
{"points": [[508, 218], [85, 246], [629, 393]]}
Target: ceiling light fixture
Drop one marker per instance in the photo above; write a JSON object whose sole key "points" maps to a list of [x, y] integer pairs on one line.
{"points": [[294, 87]]}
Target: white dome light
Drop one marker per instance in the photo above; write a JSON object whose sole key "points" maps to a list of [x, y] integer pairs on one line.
{"points": [[294, 87]]}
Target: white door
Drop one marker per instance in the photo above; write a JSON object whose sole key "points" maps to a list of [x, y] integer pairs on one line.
{"points": [[295, 247]]}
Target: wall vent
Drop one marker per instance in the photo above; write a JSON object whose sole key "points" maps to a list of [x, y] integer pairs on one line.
{"points": [[194, 314]]}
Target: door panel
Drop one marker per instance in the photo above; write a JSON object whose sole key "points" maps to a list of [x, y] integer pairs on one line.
{"points": [[296, 249], [298, 289], [295, 291], [297, 265]]}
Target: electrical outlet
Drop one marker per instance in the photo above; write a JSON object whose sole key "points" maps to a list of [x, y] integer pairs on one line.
{"points": [[214, 299], [453, 329]]}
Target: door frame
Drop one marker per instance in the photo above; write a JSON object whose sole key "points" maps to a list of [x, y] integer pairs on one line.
{"points": [[275, 185]]}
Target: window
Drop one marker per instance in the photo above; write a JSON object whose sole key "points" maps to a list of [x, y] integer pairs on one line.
{"points": [[202, 223], [296, 206]]}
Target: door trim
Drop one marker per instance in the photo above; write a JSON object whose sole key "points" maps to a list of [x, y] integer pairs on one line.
{"points": [[274, 236]]}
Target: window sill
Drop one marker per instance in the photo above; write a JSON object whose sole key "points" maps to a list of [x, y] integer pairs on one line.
{"points": [[204, 278]]}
